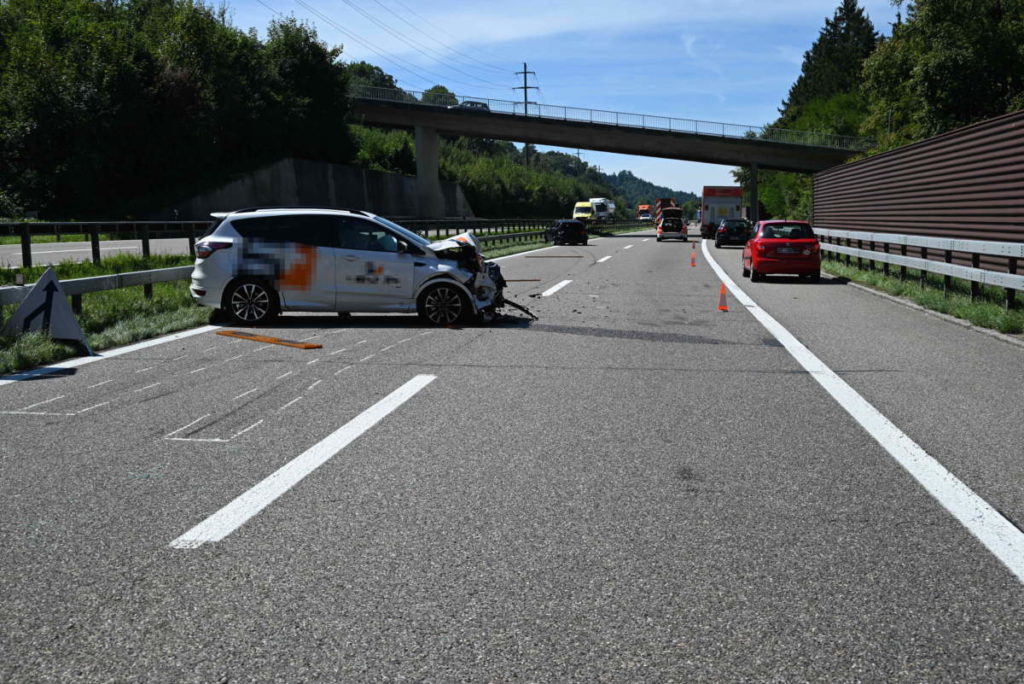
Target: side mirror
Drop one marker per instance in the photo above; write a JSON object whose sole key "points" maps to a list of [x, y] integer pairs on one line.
{"points": [[408, 248]]}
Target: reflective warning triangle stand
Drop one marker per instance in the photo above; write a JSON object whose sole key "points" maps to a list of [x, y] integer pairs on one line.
{"points": [[46, 309]]}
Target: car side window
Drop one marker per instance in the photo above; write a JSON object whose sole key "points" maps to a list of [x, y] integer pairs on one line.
{"points": [[366, 236], [309, 229]]}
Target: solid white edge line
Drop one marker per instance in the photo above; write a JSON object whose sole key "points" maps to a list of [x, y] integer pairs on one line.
{"points": [[556, 288], [989, 526], [240, 510], [81, 361]]}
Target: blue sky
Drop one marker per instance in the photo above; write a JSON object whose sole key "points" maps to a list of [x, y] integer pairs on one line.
{"points": [[729, 61]]}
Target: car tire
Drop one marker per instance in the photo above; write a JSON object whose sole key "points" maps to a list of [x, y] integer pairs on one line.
{"points": [[754, 275], [659, 238], [815, 277], [586, 242], [251, 302], [443, 304], [718, 244], [746, 272]]}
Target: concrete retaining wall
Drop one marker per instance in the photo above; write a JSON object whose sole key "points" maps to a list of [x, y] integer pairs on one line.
{"points": [[299, 182]]}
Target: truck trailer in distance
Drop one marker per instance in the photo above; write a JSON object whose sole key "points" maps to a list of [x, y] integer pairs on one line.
{"points": [[718, 202], [643, 212], [604, 209]]}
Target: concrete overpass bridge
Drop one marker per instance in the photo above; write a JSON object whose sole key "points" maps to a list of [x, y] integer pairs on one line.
{"points": [[605, 131]]}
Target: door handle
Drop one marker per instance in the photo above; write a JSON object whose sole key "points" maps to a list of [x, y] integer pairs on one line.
{"points": [[418, 263]]}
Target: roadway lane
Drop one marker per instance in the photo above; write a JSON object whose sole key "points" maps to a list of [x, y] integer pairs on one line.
{"points": [[954, 390], [54, 252], [636, 486]]}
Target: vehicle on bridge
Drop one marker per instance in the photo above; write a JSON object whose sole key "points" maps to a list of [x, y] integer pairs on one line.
{"points": [[583, 211], [472, 105], [643, 212], [782, 247], [668, 220], [718, 202], [256, 263]]}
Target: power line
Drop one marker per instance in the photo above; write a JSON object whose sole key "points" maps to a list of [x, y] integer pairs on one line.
{"points": [[417, 46], [444, 45], [441, 30], [396, 60]]}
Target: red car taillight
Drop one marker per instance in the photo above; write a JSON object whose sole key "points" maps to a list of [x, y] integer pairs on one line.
{"points": [[205, 249]]}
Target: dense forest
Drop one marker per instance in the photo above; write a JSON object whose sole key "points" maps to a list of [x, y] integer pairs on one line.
{"points": [[85, 85], [117, 107], [947, 64]]}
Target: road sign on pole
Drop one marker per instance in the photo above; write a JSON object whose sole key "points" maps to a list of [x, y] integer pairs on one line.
{"points": [[46, 309]]}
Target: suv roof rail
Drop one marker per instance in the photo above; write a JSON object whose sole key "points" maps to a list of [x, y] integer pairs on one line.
{"points": [[292, 206]]}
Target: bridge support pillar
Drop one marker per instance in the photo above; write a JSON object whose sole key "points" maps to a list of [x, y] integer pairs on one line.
{"points": [[755, 206], [428, 183]]}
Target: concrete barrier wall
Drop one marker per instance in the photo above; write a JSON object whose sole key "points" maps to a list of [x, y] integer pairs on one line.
{"points": [[299, 182]]}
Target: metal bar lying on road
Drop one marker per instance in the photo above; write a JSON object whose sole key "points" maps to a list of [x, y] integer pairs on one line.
{"points": [[268, 340]]}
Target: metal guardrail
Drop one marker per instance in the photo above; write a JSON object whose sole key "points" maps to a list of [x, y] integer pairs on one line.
{"points": [[94, 232], [76, 287], [627, 119], [947, 247]]}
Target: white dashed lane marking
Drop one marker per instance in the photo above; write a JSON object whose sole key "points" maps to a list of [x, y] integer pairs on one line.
{"points": [[238, 512], [556, 288], [603, 259]]}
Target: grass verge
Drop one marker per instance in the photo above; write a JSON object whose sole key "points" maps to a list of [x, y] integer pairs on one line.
{"points": [[987, 311]]}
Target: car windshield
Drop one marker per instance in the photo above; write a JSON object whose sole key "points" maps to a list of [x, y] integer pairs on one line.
{"points": [[404, 232], [787, 231]]}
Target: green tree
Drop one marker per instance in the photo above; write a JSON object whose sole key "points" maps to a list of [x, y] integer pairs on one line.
{"points": [[951, 63]]}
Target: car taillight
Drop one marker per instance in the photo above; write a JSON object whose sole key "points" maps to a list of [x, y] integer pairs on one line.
{"points": [[205, 249], [721, 229]]}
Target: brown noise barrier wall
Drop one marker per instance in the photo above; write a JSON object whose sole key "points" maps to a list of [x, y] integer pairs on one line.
{"points": [[967, 183]]}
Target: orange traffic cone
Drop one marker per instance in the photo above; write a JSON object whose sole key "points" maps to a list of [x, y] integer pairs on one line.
{"points": [[693, 258], [722, 306]]}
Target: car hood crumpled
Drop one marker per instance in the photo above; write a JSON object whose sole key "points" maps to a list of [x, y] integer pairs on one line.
{"points": [[457, 242]]}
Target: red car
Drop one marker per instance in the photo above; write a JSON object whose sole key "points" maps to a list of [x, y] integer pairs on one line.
{"points": [[782, 247]]}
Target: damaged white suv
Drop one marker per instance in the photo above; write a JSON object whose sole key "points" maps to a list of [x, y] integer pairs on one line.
{"points": [[255, 263]]}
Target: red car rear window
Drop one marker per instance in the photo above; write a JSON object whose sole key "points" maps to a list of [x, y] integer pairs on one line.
{"points": [[787, 231]]}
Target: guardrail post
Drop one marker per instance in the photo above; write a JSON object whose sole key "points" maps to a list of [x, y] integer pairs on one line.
{"points": [[1011, 294], [860, 264], [76, 304], [947, 281], [871, 261], [147, 289], [192, 240], [56, 231], [975, 286], [924, 274], [94, 239], [885, 265], [26, 246], [903, 269]]}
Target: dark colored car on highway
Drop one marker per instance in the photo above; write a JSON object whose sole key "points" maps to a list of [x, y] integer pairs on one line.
{"points": [[782, 247], [732, 232], [567, 232]]}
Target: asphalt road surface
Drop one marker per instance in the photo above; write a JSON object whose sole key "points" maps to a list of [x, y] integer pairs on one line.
{"points": [[54, 252], [635, 487]]}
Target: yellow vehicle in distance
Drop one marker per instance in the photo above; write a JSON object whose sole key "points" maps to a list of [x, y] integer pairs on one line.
{"points": [[583, 211]]}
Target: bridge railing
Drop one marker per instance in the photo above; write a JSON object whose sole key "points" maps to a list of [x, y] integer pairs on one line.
{"points": [[933, 255], [611, 118]]}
